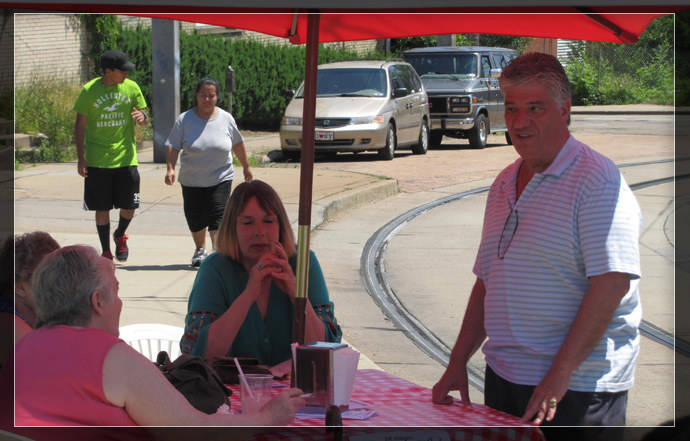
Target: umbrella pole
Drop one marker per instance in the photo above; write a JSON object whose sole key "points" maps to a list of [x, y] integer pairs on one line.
{"points": [[306, 177]]}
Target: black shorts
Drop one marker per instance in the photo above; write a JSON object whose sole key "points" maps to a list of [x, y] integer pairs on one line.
{"points": [[600, 415], [108, 188], [204, 206]]}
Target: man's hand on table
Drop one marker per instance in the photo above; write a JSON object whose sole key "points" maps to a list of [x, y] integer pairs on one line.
{"points": [[452, 379]]}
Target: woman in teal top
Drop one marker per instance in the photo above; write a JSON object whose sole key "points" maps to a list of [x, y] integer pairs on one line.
{"points": [[242, 301]]}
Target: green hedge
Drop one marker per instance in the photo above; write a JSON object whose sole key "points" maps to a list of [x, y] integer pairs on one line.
{"points": [[608, 73], [263, 72]]}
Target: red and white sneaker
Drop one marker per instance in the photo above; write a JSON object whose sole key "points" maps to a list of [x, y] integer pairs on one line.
{"points": [[121, 248]]}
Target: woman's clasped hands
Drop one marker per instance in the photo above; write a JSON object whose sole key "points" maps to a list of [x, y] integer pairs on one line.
{"points": [[273, 266]]}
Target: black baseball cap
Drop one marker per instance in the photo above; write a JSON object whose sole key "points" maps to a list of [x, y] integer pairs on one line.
{"points": [[113, 59]]}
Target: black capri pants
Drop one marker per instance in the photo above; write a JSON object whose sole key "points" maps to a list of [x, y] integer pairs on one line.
{"points": [[204, 206]]}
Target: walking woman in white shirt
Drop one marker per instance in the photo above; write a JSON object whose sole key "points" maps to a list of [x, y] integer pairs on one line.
{"points": [[205, 138]]}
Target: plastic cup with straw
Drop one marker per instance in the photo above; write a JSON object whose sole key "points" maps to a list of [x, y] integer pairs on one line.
{"points": [[244, 379]]}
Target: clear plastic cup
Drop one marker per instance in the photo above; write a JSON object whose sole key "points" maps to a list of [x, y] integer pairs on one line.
{"points": [[260, 385]]}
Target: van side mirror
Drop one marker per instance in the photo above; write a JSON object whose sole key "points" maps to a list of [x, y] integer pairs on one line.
{"points": [[400, 92], [495, 73], [289, 94]]}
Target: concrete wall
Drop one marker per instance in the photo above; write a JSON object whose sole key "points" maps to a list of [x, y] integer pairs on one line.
{"points": [[49, 47]]}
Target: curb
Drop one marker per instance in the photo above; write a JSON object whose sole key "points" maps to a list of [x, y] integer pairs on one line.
{"points": [[635, 112], [325, 210], [358, 198]]}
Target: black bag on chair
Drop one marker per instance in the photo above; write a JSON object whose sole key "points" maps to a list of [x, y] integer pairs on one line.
{"points": [[194, 378]]}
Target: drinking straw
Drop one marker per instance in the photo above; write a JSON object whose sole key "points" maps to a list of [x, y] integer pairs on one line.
{"points": [[244, 380]]}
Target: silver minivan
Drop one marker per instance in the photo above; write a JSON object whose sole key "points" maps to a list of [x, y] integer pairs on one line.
{"points": [[362, 105]]}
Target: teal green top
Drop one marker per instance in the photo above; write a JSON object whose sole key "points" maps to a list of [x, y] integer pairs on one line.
{"points": [[109, 141], [221, 280]]}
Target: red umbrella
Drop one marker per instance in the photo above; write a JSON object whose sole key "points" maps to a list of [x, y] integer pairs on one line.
{"points": [[609, 24], [616, 24], [596, 24]]}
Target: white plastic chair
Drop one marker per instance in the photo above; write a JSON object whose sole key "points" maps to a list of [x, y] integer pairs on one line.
{"points": [[151, 338]]}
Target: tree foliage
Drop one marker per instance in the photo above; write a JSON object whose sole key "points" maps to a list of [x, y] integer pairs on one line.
{"points": [[263, 72], [103, 32], [400, 45], [517, 43], [609, 73]]}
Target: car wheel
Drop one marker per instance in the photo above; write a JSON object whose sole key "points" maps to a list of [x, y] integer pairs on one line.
{"points": [[509, 140], [291, 155], [387, 152], [435, 138], [423, 142], [479, 132]]}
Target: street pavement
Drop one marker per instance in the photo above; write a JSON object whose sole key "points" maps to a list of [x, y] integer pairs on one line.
{"points": [[348, 208]]}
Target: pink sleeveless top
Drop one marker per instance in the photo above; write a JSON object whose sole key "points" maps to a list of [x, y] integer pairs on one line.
{"points": [[59, 379]]}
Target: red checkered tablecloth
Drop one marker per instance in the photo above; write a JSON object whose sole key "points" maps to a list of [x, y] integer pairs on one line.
{"points": [[402, 404]]}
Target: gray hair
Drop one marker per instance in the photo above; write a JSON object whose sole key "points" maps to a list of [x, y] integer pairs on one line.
{"points": [[63, 284], [535, 68]]}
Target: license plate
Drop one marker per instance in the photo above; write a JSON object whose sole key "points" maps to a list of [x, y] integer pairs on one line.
{"points": [[323, 136]]}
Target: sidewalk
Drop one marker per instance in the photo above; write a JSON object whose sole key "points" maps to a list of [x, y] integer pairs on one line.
{"points": [[619, 109]]}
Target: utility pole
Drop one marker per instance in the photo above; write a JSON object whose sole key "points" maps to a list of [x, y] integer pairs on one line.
{"points": [[445, 40], [165, 73], [229, 85]]}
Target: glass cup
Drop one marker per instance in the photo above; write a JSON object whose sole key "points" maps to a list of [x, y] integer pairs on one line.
{"points": [[260, 385]]}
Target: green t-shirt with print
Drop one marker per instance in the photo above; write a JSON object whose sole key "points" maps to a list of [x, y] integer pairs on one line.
{"points": [[109, 140]]}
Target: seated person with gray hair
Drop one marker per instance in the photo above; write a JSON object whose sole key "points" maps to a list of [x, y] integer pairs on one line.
{"points": [[17, 306], [73, 370]]}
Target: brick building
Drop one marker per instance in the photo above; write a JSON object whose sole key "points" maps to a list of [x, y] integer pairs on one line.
{"points": [[49, 46]]}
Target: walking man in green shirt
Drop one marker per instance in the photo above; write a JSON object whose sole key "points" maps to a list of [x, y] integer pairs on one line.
{"points": [[107, 109]]}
